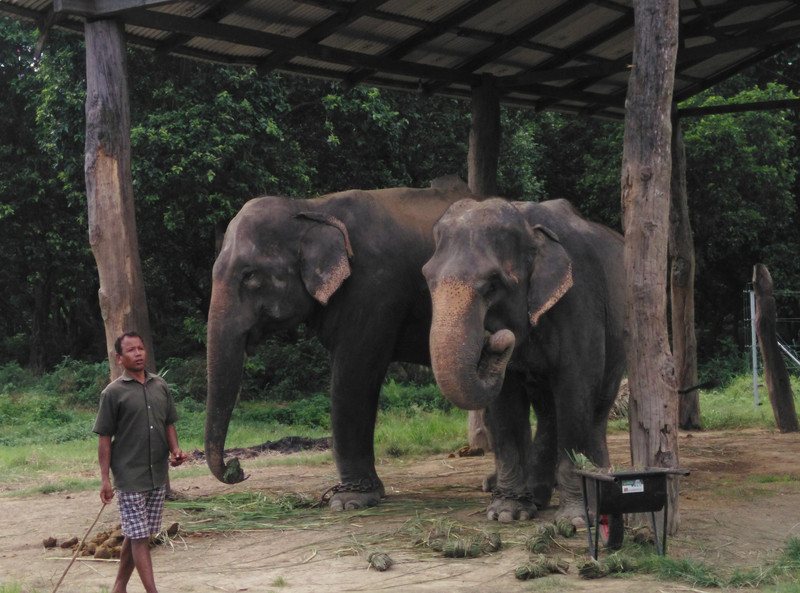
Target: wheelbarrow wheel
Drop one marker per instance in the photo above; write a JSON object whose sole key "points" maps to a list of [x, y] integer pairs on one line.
{"points": [[612, 531]]}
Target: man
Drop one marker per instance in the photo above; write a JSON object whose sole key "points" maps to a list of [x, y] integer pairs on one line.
{"points": [[136, 424]]}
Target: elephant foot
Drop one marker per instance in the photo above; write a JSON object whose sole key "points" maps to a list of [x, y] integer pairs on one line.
{"points": [[572, 512], [489, 483], [352, 496], [507, 508]]}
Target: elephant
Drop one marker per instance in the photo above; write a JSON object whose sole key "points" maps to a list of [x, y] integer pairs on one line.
{"points": [[349, 266], [528, 306]]}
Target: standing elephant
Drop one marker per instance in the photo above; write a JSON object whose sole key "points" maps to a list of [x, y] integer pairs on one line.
{"points": [[349, 266], [528, 310]]}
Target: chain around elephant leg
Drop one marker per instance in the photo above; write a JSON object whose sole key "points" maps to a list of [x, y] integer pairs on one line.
{"points": [[507, 507], [354, 495]]}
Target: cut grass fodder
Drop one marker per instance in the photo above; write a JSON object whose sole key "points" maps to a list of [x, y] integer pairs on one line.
{"points": [[244, 511]]}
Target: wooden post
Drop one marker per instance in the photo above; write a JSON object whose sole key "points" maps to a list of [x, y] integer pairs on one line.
{"points": [[484, 149], [646, 171], [776, 375], [484, 139], [681, 250], [109, 188]]}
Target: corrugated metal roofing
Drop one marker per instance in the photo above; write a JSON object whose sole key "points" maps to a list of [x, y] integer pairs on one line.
{"points": [[568, 55]]}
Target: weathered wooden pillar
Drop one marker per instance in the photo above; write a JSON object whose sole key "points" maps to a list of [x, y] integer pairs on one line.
{"points": [[109, 187], [484, 139], [776, 375], [646, 171], [484, 149], [681, 251]]}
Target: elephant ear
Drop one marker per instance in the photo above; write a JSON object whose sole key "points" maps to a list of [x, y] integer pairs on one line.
{"points": [[325, 254], [552, 273]]}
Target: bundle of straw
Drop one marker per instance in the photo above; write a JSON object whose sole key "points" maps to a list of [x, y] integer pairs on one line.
{"points": [[463, 548], [565, 528], [614, 564], [541, 566], [379, 561], [492, 543]]}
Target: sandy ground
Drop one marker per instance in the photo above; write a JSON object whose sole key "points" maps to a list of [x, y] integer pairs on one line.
{"points": [[737, 508]]}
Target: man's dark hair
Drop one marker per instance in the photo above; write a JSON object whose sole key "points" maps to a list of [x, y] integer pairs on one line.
{"points": [[118, 343]]}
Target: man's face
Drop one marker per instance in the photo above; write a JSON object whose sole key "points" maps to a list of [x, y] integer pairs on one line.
{"points": [[133, 354]]}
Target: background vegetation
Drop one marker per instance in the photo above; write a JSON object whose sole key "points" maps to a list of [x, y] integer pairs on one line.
{"points": [[207, 138], [47, 444]]}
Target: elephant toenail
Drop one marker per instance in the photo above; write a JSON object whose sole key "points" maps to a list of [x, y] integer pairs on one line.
{"points": [[506, 517]]}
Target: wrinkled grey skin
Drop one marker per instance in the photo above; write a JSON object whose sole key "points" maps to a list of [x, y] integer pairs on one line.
{"points": [[349, 266], [528, 311]]}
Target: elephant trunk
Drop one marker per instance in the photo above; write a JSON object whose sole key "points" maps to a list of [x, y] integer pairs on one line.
{"points": [[469, 365], [225, 364]]}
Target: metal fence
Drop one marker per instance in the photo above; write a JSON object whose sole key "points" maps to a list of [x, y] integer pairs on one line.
{"points": [[787, 328]]}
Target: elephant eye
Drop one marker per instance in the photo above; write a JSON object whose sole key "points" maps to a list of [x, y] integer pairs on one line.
{"points": [[497, 284], [492, 285], [251, 280]]}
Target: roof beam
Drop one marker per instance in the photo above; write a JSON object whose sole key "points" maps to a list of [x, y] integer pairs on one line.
{"points": [[740, 108], [537, 76], [103, 8]]}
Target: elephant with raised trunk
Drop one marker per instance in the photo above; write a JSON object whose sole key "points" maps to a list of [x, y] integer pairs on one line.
{"points": [[349, 266], [528, 311]]}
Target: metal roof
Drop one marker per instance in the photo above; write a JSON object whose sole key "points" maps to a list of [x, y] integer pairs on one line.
{"points": [[565, 55]]}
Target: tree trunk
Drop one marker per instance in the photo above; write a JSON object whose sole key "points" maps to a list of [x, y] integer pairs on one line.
{"points": [[109, 188], [776, 374], [681, 249], [484, 149], [646, 169]]}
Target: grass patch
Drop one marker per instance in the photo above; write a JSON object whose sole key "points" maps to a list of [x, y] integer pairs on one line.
{"points": [[781, 479], [687, 570], [732, 406], [410, 433], [782, 574]]}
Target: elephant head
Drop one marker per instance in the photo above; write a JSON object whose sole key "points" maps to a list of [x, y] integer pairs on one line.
{"points": [[491, 278], [277, 263]]}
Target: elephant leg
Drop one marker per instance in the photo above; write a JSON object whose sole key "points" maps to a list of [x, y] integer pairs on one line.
{"points": [[509, 426], [542, 470], [580, 430], [545, 445], [355, 387]]}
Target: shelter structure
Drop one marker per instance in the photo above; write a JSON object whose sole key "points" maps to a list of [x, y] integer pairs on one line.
{"points": [[574, 56]]}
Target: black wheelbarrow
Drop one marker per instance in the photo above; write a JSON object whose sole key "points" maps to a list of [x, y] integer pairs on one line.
{"points": [[623, 492]]}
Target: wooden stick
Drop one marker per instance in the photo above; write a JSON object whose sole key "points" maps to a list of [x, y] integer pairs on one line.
{"points": [[79, 548]]}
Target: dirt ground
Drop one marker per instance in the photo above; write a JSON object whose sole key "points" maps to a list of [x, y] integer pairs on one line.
{"points": [[737, 508]]}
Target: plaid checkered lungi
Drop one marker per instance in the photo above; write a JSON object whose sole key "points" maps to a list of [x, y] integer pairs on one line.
{"points": [[140, 512]]}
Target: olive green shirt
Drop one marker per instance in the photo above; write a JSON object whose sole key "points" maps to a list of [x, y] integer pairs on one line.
{"points": [[136, 416]]}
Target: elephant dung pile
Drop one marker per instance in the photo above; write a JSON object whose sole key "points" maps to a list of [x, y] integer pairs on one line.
{"points": [[106, 545]]}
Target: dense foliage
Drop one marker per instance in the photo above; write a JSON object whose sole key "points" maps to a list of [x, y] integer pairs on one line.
{"points": [[206, 138]]}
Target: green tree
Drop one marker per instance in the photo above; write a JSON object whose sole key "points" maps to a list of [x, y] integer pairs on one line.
{"points": [[205, 140], [46, 282], [741, 175]]}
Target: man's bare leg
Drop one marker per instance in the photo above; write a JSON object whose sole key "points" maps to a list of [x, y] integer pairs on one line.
{"points": [[135, 553]]}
